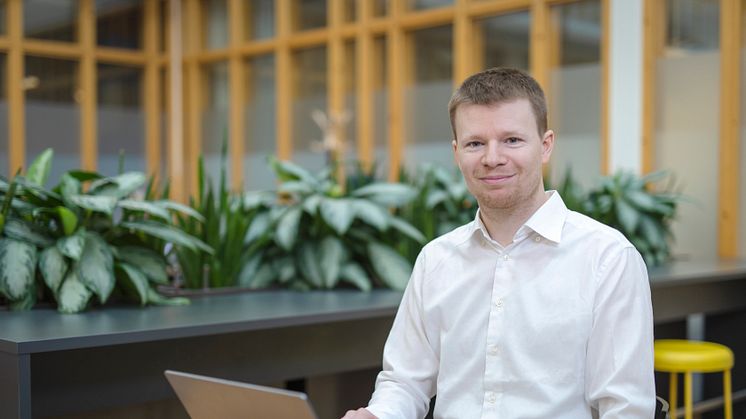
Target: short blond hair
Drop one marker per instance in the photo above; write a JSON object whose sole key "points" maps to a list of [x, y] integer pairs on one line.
{"points": [[500, 85]]}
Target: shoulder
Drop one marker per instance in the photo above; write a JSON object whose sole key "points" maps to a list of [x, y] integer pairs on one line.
{"points": [[446, 246], [582, 227]]}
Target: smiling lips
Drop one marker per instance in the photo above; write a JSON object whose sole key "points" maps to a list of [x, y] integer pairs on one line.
{"points": [[495, 179]]}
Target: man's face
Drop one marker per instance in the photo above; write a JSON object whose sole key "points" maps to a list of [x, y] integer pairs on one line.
{"points": [[500, 153]]}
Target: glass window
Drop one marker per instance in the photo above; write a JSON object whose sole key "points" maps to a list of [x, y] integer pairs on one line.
{"points": [[215, 118], [310, 95], [687, 125], [55, 20], [4, 162], [165, 88], [575, 91], [309, 14], [163, 35], [52, 112], [350, 106], [380, 7], [350, 10], [121, 119], [216, 23], [119, 23], [260, 122], [428, 131], [2, 17], [428, 4], [692, 25], [259, 19], [504, 40]]}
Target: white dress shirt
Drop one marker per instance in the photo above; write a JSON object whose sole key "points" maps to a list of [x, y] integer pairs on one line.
{"points": [[558, 324]]}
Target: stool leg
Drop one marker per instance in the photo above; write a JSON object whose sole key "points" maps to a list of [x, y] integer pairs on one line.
{"points": [[673, 387], [688, 395], [727, 395]]}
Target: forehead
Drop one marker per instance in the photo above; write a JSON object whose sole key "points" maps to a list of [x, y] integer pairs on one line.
{"points": [[515, 116]]}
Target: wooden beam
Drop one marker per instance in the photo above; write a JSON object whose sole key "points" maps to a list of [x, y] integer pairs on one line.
{"points": [[463, 47], [87, 80], [176, 152], [14, 84], [336, 76], [193, 88], [284, 80], [540, 43], [653, 30], [397, 66], [237, 89], [64, 50], [365, 85], [492, 8], [730, 125], [152, 91]]}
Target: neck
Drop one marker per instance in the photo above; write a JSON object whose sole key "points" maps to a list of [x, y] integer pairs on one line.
{"points": [[503, 223]]}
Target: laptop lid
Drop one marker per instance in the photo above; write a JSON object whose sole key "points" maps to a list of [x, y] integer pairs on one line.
{"points": [[208, 397]]}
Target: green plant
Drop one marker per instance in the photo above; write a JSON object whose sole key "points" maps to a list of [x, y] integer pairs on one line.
{"points": [[631, 205], [86, 236], [223, 225], [315, 235], [441, 204]]}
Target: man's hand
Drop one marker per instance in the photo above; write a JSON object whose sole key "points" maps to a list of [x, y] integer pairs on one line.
{"points": [[361, 413]]}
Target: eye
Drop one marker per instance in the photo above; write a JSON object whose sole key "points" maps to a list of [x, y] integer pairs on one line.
{"points": [[472, 144], [513, 140]]}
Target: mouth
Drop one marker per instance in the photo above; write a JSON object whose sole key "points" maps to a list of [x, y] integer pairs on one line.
{"points": [[496, 179]]}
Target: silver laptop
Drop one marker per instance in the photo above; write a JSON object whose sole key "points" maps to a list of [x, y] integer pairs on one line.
{"points": [[208, 398]]}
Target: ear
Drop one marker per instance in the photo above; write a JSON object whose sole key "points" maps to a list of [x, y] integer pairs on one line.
{"points": [[547, 145], [454, 146]]}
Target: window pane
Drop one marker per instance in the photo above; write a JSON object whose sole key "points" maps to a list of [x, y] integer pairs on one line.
{"points": [[55, 20], [429, 131], [121, 119], [215, 119], [428, 4], [2, 16], [692, 25], [216, 23], [686, 132], [260, 19], [380, 105], [380, 7], [4, 163], [260, 122], [350, 108], [163, 35], [119, 23], [309, 82], [52, 113], [164, 116], [309, 14], [575, 92], [505, 40], [350, 10]]}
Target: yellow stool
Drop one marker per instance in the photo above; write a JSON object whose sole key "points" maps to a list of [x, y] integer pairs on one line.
{"points": [[685, 356]]}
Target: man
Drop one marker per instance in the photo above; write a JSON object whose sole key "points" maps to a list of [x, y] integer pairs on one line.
{"points": [[529, 311]]}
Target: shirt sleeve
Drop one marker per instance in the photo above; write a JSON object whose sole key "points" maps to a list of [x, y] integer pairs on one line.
{"points": [[410, 365], [619, 364]]}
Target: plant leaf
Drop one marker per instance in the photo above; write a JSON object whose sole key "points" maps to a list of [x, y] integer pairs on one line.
{"points": [[119, 186], [155, 298], [627, 215], [408, 230], [146, 207], [68, 219], [73, 295], [435, 197], [169, 234], [104, 204], [256, 199], [72, 246], [337, 213], [53, 267], [249, 270], [38, 171], [95, 269], [371, 214], [295, 187], [387, 194], [287, 171], [18, 229], [390, 266], [17, 268], [137, 279], [287, 227], [146, 260], [263, 277], [176, 206], [331, 253], [354, 274], [311, 204], [308, 263]]}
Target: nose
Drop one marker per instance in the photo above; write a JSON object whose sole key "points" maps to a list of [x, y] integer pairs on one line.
{"points": [[493, 156]]}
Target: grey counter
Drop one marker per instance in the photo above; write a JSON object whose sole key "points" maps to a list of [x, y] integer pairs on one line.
{"points": [[54, 364]]}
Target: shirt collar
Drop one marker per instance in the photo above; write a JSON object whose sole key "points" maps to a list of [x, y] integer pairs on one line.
{"points": [[547, 221]]}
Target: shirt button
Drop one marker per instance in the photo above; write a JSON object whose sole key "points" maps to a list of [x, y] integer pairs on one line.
{"points": [[506, 257], [499, 303], [537, 239], [492, 350], [491, 397]]}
